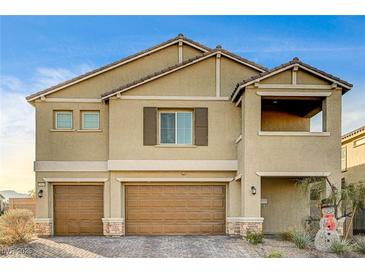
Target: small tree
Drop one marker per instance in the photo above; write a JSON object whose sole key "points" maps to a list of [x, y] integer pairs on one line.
{"points": [[349, 198]]}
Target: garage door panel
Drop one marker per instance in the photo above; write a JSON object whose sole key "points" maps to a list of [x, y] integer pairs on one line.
{"points": [[175, 210], [78, 210]]}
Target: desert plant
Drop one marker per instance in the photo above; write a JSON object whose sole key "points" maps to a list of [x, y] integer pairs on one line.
{"points": [[16, 226], [274, 254], [254, 237], [285, 235], [360, 243], [301, 239], [341, 247]]}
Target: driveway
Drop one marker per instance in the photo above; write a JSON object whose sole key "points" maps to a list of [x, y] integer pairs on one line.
{"points": [[131, 247]]}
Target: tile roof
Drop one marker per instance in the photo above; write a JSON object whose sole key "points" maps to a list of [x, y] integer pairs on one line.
{"points": [[177, 38], [156, 74], [352, 133], [292, 62]]}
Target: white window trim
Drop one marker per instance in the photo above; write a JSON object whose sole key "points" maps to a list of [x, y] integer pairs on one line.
{"points": [[174, 144], [56, 124], [82, 120]]}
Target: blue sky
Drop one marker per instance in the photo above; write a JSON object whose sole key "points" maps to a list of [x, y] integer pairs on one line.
{"points": [[37, 52]]}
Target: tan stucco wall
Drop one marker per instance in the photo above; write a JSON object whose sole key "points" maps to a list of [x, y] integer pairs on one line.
{"points": [[194, 80], [287, 206], [303, 77], [283, 121], [190, 52], [126, 131], [355, 171], [95, 86], [233, 73], [74, 145]]}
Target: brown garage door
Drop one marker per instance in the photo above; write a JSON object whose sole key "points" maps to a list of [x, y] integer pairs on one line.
{"points": [[175, 209], [78, 210]]}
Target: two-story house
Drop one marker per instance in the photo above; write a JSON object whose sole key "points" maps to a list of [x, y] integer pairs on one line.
{"points": [[181, 139]]}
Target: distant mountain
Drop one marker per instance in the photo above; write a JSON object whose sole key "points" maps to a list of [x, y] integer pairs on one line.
{"points": [[13, 194]]}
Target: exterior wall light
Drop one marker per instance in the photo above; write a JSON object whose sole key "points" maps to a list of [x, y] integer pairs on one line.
{"points": [[253, 190], [40, 193]]}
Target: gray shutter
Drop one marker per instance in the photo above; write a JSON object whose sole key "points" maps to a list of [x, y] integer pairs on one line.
{"points": [[149, 126], [201, 126]]}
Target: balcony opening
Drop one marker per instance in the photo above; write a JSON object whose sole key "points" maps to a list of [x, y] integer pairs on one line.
{"points": [[292, 114]]}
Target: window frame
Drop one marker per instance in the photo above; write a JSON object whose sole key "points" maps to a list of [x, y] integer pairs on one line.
{"points": [[56, 112], [88, 112], [360, 139], [163, 111]]}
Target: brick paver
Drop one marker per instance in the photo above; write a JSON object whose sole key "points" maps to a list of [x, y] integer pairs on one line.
{"points": [[131, 247]]}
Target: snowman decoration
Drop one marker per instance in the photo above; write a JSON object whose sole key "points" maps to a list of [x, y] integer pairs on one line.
{"points": [[327, 233]]}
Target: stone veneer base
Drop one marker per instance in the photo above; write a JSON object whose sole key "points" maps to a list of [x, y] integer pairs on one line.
{"points": [[43, 227], [241, 225], [113, 227]]}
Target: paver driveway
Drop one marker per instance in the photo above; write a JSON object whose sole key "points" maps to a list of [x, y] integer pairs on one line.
{"points": [[131, 246]]}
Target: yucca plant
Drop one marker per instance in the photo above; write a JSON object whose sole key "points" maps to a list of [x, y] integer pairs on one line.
{"points": [[341, 247], [360, 243], [301, 239]]}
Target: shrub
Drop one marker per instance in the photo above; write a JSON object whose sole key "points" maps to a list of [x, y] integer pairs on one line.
{"points": [[301, 239], [285, 235], [360, 243], [254, 237], [16, 226], [341, 247], [274, 254]]}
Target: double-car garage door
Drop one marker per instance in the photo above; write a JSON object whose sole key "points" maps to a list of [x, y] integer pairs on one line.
{"points": [[149, 209]]}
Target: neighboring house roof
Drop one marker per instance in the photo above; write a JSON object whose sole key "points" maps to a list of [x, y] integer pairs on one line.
{"points": [[353, 133], [140, 54], [295, 62]]}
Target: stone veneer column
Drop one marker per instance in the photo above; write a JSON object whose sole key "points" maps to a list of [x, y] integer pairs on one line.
{"points": [[113, 226], [241, 225], [43, 227]]}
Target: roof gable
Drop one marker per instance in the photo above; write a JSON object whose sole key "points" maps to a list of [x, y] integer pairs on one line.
{"points": [[284, 67], [118, 63]]}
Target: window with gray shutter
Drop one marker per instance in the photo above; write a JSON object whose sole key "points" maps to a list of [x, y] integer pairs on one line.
{"points": [[201, 126]]}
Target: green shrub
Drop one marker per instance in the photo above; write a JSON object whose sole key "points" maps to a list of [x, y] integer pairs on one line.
{"points": [[16, 226], [360, 243], [254, 237], [301, 239], [341, 247], [274, 254]]}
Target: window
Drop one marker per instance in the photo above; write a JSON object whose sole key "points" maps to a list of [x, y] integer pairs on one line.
{"points": [[90, 120], [63, 119], [343, 159], [359, 142], [176, 128]]}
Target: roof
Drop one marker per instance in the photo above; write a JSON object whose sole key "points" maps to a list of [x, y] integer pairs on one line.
{"points": [[157, 74], [119, 62], [353, 133], [287, 65]]}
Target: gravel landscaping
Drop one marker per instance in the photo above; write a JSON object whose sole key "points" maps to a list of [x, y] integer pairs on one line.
{"points": [[160, 247]]}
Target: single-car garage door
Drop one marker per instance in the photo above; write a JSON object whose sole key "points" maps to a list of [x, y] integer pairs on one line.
{"points": [[175, 209], [78, 210]]}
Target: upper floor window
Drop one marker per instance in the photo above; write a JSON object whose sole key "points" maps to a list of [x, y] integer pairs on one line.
{"points": [[343, 158], [63, 119], [176, 128], [359, 142], [90, 120]]}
